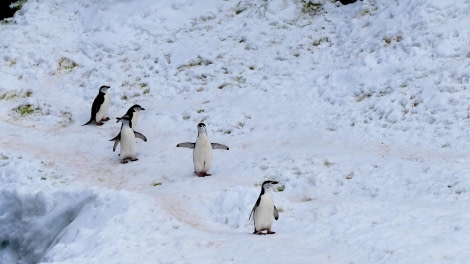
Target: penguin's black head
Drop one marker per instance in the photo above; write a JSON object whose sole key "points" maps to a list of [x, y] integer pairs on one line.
{"points": [[104, 88], [137, 108], [269, 184], [201, 129]]}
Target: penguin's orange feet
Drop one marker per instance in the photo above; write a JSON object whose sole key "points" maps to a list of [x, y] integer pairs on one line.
{"points": [[99, 123], [259, 233], [105, 119], [202, 174], [134, 159], [271, 232], [123, 161]]}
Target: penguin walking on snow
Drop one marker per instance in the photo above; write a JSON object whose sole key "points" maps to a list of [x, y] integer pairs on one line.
{"points": [[202, 151], [100, 106], [127, 137], [264, 210]]}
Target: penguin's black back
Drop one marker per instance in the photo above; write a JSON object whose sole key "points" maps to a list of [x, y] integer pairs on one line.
{"points": [[95, 107], [97, 104]]}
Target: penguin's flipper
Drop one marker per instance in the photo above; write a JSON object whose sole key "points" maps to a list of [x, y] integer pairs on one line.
{"points": [[186, 145], [276, 213], [219, 146], [116, 140], [116, 137], [252, 212], [95, 107], [254, 207], [140, 136]]}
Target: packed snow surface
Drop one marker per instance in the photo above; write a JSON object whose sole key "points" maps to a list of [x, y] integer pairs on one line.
{"points": [[360, 112]]}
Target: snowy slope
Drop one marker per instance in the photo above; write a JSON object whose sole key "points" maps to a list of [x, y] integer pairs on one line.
{"points": [[359, 111]]}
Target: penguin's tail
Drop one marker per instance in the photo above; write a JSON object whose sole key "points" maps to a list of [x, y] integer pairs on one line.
{"points": [[91, 120]]}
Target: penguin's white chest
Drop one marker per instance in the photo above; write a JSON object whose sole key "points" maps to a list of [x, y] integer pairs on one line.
{"points": [[264, 213], [127, 143], [135, 119], [202, 154], [103, 108]]}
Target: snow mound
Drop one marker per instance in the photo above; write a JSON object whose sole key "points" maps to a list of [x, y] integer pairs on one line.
{"points": [[32, 223]]}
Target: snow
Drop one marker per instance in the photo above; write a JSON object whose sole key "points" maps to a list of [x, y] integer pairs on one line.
{"points": [[359, 111]]}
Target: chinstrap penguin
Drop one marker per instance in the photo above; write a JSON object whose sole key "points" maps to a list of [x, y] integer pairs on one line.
{"points": [[264, 210], [202, 151], [100, 106], [127, 137]]}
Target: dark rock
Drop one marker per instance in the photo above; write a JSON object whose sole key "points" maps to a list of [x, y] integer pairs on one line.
{"points": [[5, 10], [347, 2]]}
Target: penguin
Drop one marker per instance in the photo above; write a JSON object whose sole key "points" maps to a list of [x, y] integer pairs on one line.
{"points": [[133, 113], [100, 106], [264, 209], [127, 137], [202, 151]]}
